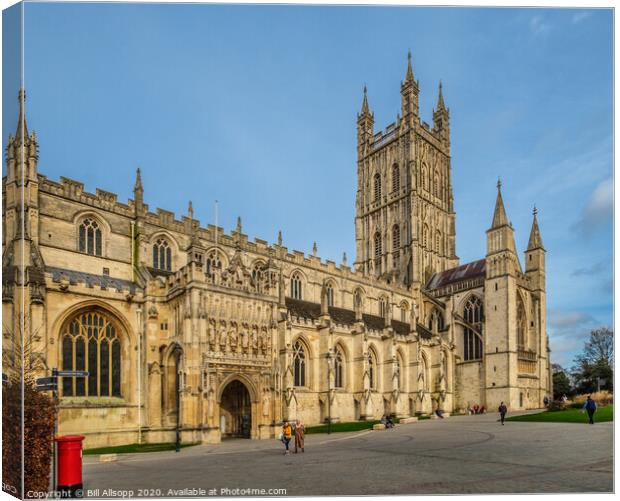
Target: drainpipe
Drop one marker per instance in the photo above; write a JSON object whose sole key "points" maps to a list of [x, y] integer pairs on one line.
{"points": [[140, 329]]}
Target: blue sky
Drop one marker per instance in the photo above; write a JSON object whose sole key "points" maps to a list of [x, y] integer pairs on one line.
{"points": [[255, 106]]}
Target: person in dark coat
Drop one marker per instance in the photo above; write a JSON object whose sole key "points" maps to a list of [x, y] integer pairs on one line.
{"points": [[502, 409], [590, 407]]}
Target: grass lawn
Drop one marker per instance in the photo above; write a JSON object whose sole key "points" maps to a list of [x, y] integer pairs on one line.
{"points": [[131, 448], [567, 416], [340, 427]]}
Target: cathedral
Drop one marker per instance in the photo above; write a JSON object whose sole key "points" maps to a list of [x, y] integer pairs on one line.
{"points": [[184, 328]]}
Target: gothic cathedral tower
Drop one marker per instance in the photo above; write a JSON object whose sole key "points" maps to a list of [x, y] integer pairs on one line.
{"points": [[404, 215]]}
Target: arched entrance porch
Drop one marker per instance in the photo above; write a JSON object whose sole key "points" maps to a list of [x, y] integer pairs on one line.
{"points": [[235, 411]]}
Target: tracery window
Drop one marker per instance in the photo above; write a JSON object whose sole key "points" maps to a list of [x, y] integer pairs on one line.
{"points": [[91, 342], [377, 187], [257, 273], [162, 255], [395, 244], [296, 285], [473, 314], [299, 364], [395, 178], [329, 290], [382, 307], [404, 310], [90, 237], [378, 251], [436, 186], [213, 262], [339, 369], [372, 367]]}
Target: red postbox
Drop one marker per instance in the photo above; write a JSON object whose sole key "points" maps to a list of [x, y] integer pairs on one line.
{"points": [[69, 474]]}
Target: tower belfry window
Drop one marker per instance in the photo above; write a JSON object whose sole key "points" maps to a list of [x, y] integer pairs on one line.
{"points": [[395, 178], [377, 188]]}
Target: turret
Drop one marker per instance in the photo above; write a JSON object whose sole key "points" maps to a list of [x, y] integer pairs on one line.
{"points": [[138, 194], [441, 119], [501, 250], [410, 94], [535, 256], [365, 127]]}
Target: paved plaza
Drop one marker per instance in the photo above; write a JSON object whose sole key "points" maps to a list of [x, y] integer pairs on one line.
{"points": [[461, 454]]}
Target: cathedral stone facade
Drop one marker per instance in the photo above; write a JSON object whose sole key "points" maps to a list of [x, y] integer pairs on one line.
{"points": [[186, 327]]}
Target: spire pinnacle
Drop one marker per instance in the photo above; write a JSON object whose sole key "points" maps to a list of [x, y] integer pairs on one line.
{"points": [[138, 185], [499, 216], [190, 210], [314, 249], [280, 238], [440, 103], [409, 76], [22, 128], [365, 109], [535, 241], [239, 224]]}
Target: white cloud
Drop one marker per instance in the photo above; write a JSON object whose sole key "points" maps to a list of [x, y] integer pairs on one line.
{"points": [[599, 210], [580, 16]]}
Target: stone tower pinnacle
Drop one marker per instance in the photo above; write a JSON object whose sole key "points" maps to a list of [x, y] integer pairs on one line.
{"points": [[499, 216], [535, 241]]}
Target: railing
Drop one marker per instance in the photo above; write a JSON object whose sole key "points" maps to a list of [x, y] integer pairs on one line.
{"points": [[526, 355]]}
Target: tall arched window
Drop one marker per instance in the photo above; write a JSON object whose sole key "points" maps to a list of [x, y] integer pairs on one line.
{"points": [[372, 370], [162, 255], [395, 178], [90, 237], [296, 286], [404, 311], [299, 364], [378, 252], [521, 325], [395, 244], [90, 342], [377, 188], [257, 273], [329, 291], [339, 369], [436, 185], [473, 314], [383, 307], [213, 262], [438, 242]]}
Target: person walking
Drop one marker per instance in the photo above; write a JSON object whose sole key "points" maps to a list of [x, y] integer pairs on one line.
{"points": [[300, 432], [546, 401], [590, 407], [287, 433], [502, 409]]}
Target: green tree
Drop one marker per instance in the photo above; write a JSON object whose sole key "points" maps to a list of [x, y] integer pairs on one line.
{"points": [[595, 362], [561, 385]]}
